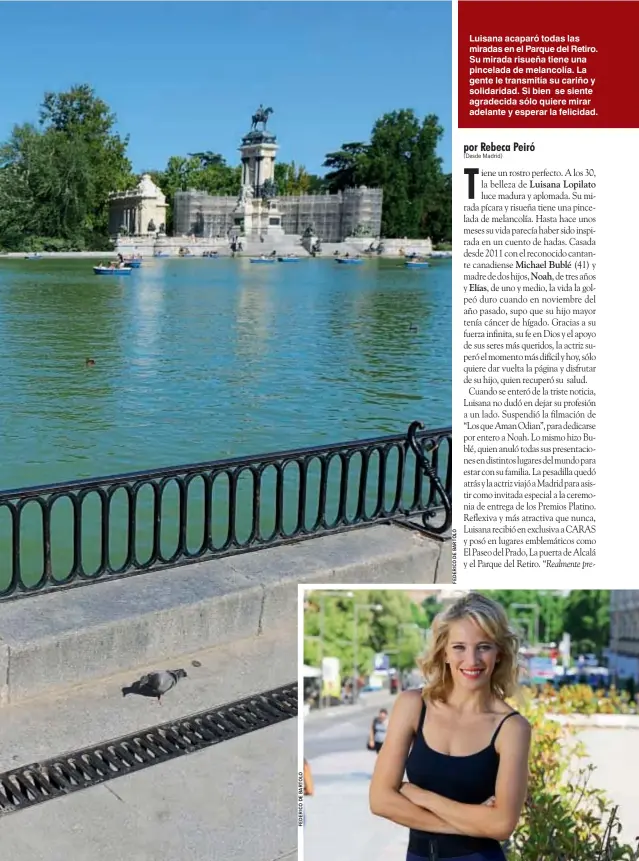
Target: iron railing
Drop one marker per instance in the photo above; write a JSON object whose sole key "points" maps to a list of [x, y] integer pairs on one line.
{"points": [[62, 535]]}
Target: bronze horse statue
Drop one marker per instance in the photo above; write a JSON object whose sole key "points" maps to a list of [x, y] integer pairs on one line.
{"points": [[261, 115]]}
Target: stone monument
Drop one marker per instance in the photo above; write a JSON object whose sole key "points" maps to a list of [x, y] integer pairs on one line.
{"points": [[257, 213], [139, 211]]}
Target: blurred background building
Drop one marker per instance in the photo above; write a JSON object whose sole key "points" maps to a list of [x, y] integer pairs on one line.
{"points": [[623, 655]]}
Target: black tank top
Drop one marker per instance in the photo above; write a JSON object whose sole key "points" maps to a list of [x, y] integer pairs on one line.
{"points": [[467, 779]]}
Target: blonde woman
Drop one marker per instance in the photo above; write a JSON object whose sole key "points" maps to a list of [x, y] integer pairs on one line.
{"points": [[464, 750]]}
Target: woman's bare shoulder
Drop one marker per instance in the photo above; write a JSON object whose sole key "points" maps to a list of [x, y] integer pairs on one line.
{"points": [[523, 724], [407, 708], [413, 696], [515, 730]]}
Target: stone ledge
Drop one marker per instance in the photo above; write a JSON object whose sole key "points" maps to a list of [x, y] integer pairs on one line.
{"points": [[55, 641], [89, 714]]}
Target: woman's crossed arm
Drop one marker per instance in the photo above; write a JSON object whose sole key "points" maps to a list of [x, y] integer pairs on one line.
{"points": [[385, 797], [498, 819]]}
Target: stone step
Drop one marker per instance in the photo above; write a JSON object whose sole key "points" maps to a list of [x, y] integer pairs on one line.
{"points": [[55, 641]]}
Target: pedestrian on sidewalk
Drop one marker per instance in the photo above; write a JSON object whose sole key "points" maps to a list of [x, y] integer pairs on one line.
{"points": [[464, 750], [378, 729]]}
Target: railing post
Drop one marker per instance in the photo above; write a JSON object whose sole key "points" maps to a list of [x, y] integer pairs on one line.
{"points": [[436, 486]]}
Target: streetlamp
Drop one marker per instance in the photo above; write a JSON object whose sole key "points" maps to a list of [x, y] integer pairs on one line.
{"points": [[356, 607]]}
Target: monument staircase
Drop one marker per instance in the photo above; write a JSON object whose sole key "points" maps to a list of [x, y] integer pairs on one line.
{"points": [[283, 245]]}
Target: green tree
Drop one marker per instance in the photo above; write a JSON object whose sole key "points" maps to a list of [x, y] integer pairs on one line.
{"points": [[347, 167], [295, 179], [205, 171], [430, 608], [55, 178], [402, 159], [86, 120], [550, 606], [385, 623], [45, 190], [586, 617], [207, 158]]}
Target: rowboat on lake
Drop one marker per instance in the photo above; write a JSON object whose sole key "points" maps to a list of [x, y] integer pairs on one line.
{"points": [[262, 259], [112, 270], [348, 260], [292, 258], [416, 264]]}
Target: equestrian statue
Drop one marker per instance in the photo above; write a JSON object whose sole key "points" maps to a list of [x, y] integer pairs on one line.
{"points": [[261, 115]]}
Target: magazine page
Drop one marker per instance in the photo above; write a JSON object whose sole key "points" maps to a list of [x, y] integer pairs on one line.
{"points": [[544, 310], [491, 719]]}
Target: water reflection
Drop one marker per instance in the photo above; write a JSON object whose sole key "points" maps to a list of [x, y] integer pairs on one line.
{"points": [[198, 359]]}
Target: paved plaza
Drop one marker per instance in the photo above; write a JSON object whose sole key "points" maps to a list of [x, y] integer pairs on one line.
{"points": [[615, 754], [339, 824], [233, 801]]}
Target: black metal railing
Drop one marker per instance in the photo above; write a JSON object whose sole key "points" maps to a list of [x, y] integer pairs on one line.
{"points": [[63, 535]]}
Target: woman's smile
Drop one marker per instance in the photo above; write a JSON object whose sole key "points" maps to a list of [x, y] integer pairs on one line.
{"points": [[472, 674]]}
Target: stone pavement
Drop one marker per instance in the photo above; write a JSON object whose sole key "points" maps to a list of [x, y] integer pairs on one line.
{"points": [[223, 803], [234, 801], [339, 825]]}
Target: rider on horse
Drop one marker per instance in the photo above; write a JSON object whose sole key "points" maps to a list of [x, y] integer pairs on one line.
{"points": [[261, 115]]}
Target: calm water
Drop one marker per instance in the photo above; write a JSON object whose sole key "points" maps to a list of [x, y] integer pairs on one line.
{"points": [[200, 359]]}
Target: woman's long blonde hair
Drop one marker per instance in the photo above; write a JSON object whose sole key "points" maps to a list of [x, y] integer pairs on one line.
{"points": [[492, 619]]}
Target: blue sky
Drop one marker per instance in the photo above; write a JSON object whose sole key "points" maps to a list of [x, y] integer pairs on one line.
{"points": [[186, 76]]}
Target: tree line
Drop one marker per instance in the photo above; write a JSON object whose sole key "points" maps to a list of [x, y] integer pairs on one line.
{"points": [[389, 622], [582, 613], [56, 175]]}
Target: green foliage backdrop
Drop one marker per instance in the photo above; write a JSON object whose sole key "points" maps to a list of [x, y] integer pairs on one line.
{"points": [[397, 628], [400, 626], [56, 175]]}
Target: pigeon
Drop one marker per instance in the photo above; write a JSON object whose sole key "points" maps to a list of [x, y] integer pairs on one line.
{"points": [[156, 684]]}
